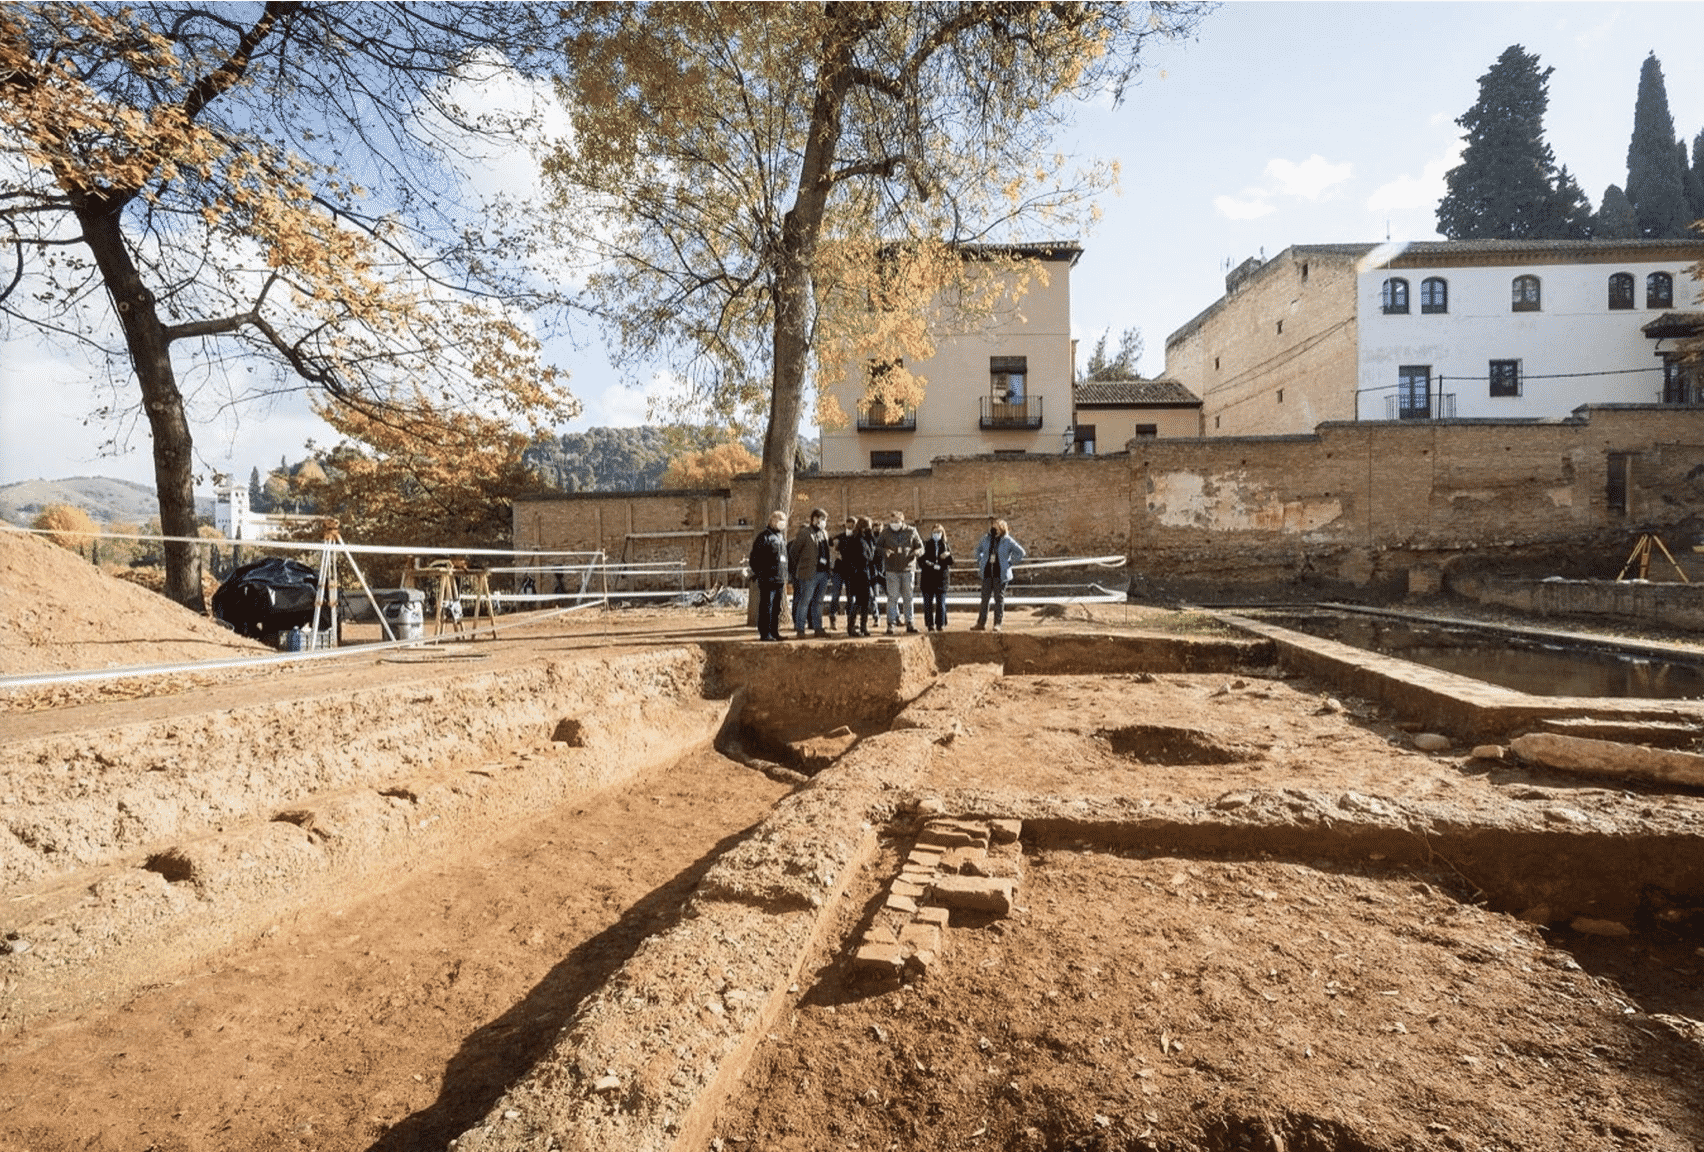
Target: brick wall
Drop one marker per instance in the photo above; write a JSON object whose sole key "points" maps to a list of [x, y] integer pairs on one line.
{"points": [[1361, 504]]}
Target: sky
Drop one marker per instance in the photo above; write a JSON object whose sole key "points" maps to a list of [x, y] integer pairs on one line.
{"points": [[1277, 124]]}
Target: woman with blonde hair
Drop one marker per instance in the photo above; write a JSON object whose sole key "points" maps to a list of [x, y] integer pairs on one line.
{"points": [[936, 565], [995, 555]]}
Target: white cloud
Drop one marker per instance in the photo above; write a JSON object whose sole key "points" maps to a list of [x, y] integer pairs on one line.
{"points": [[1252, 206], [1310, 179], [1422, 191]]}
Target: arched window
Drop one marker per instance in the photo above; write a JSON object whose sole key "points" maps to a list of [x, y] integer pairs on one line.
{"points": [[1395, 296], [1523, 295], [1659, 290], [1434, 295], [1621, 290]]}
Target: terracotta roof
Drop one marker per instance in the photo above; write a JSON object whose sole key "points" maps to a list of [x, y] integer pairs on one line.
{"points": [[1142, 393], [1675, 324]]}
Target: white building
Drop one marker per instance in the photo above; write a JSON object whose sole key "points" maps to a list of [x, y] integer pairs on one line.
{"points": [[1518, 329], [236, 521], [1441, 329]]}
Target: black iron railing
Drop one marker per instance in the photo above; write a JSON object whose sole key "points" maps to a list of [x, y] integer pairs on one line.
{"points": [[1436, 406], [878, 416], [1020, 413]]}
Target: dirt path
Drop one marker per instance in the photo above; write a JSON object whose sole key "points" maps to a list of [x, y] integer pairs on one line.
{"points": [[391, 1022]]}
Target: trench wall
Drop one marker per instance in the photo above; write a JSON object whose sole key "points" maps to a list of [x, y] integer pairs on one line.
{"points": [[1352, 503], [1673, 605]]}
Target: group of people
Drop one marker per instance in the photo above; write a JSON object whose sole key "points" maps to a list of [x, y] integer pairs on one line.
{"points": [[863, 561]]}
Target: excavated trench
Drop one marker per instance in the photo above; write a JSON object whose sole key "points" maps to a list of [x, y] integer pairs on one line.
{"points": [[1168, 807]]}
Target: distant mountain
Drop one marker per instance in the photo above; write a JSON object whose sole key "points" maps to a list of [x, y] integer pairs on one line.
{"points": [[106, 500]]}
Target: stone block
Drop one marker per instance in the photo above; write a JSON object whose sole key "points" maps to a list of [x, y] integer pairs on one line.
{"points": [[953, 834], [880, 934], [924, 857], [918, 963], [883, 961], [917, 937], [964, 860], [976, 893], [900, 903], [905, 888], [1005, 831], [933, 914]]}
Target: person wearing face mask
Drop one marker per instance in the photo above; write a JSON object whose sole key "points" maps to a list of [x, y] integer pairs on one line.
{"points": [[995, 554], [810, 563], [900, 546], [857, 557], [767, 566], [838, 546], [935, 566], [875, 572]]}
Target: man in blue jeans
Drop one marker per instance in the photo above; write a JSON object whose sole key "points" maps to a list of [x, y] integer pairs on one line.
{"points": [[899, 546], [811, 561]]}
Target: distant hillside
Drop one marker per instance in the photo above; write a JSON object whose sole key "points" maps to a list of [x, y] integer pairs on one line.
{"points": [[105, 499]]}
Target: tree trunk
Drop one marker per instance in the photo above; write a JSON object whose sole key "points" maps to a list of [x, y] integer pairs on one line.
{"points": [[150, 355], [795, 254]]}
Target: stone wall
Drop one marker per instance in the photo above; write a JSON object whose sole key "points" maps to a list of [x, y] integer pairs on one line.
{"points": [[1370, 504], [1276, 354], [1671, 604], [1055, 505]]}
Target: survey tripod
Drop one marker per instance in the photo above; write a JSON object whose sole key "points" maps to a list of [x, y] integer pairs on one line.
{"points": [[1641, 556], [327, 595]]}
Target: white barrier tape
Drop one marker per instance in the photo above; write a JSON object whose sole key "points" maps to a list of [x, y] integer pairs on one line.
{"points": [[42, 679], [290, 545]]}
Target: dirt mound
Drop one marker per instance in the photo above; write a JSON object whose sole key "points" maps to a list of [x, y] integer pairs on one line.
{"points": [[64, 614]]}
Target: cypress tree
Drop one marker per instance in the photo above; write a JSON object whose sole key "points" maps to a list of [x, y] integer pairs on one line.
{"points": [[1570, 210], [1656, 184], [1615, 219], [1504, 187], [256, 495], [1695, 177]]}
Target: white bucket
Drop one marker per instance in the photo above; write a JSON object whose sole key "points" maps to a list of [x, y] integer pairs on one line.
{"points": [[407, 619]]}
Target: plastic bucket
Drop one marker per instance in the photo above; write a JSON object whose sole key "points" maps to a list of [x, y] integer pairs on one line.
{"points": [[407, 619]]}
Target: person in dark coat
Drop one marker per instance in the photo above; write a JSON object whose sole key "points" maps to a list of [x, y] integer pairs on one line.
{"points": [[877, 571], [837, 572], [768, 563], [855, 557], [935, 567]]}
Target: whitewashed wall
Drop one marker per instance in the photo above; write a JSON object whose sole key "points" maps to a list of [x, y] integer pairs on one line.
{"points": [[1575, 332]]}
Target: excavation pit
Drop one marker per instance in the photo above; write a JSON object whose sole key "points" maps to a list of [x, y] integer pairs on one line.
{"points": [[1155, 1001], [591, 940]]}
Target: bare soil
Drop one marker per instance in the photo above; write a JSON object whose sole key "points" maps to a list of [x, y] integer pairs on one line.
{"points": [[1130, 1002], [1199, 1004], [394, 1020]]}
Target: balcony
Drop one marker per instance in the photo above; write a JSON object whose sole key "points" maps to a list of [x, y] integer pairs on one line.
{"points": [[1024, 413], [1434, 406], [877, 416]]}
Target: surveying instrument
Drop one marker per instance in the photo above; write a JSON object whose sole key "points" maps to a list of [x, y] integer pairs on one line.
{"points": [[1641, 556], [331, 547]]}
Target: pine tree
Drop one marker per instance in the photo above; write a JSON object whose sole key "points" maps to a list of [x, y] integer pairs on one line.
{"points": [[1615, 219], [1656, 184], [1505, 185]]}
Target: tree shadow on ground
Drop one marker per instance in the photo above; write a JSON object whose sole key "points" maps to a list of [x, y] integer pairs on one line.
{"points": [[495, 1056]]}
